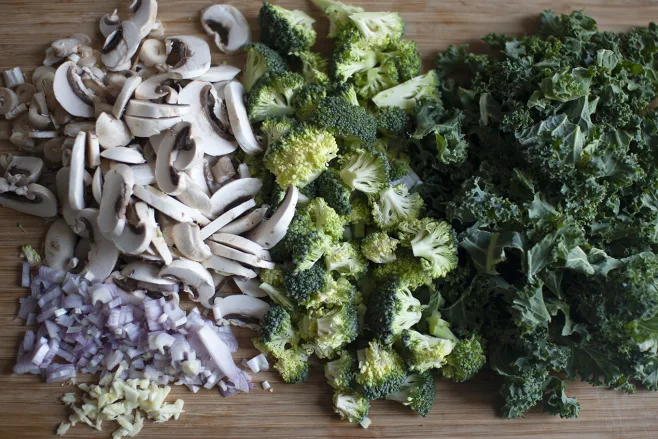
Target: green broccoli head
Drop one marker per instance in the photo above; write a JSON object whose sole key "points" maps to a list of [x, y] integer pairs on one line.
{"points": [[405, 55], [292, 365], [325, 218], [439, 327], [393, 122], [417, 392], [361, 213], [352, 406], [261, 61], [346, 259], [465, 360], [345, 121], [346, 91], [272, 276], [338, 14], [352, 54], [378, 247], [392, 309], [409, 93], [336, 292], [379, 27], [301, 156], [306, 100], [340, 373], [277, 295], [274, 128], [395, 205], [424, 352], [302, 285], [376, 79], [314, 68], [335, 328], [306, 243], [284, 30], [381, 370], [273, 95], [431, 240], [276, 330], [365, 171], [408, 269], [337, 195]]}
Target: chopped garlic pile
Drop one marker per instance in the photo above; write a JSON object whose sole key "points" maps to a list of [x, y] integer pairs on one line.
{"points": [[128, 402]]}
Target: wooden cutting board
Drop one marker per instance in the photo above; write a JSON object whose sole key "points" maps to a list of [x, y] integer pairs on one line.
{"points": [[30, 408]]}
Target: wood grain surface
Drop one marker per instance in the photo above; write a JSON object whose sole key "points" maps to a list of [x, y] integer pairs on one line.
{"points": [[30, 408]]}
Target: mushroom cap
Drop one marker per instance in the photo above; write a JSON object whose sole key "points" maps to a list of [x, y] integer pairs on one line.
{"points": [[76, 194], [93, 151], [195, 276], [40, 201], [121, 45], [144, 272], [153, 87], [242, 305], [117, 190], [191, 55], [269, 233], [234, 191], [228, 26], [65, 93], [139, 231], [125, 155], [112, 132], [153, 52], [23, 170], [187, 238], [59, 246], [194, 196], [125, 94], [179, 138], [237, 114], [109, 23], [143, 15], [103, 255]]}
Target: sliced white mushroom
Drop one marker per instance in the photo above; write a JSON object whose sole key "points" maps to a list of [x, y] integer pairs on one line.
{"points": [[143, 14], [51, 58], [21, 171], [228, 267], [97, 185], [143, 272], [117, 190], [126, 93], [124, 154], [8, 101], [16, 112], [158, 30], [147, 127], [246, 222], [169, 206], [250, 287], [197, 174], [187, 238], [153, 52], [109, 23], [194, 196], [52, 150], [73, 128], [24, 91], [69, 91], [120, 46], [139, 231], [37, 120], [242, 310], [179, 138], [228, 27], [39, 100], [223, 170], [43, 78], [144, 108], [161, 248], [220, 73], [76, 195], [242, 244], [243, 171], [65, 46], [193, 275], [237, 114], [144, 174], [37, 200], [59, 247], [103, 255], [226, 218], [62, 180], [111, 132], [93, 151], [268, 233], [155, 87], [13, 77], [233, 192], [239, 256], [187, 56]]}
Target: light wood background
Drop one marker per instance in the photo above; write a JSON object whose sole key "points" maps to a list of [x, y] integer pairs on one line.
{"points": [[30, 408]]}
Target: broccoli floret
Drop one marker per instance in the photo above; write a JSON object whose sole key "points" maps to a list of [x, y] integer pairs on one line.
{"points": [[335, 328], [338, 14], [365, 171], [398, 160], [330, 187], [292, 365], [352, 406], [381, 370], [305, 243], [407, 269], [431, 240], [393, 122], [284, 30], [379, 247], [395, 205], [346, 259], [407, 94], [417, 393], [302, 285], [301, 156], [375, 80], [274, 128], [340, 373], [336, 292], [261, 60], [346, 90], [276, 330], [379, 27], [277, 295], [352, 54], [398, 168], [405, 55], [306, 100], [314, 68], [465, 360], [392, 309], [273, 95], [325, 218], [424, 352], [361, 213], [439, 327], [345, 121]]}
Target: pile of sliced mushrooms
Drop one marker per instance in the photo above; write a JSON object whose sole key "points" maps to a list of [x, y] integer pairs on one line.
{"points": [[132, 147]]}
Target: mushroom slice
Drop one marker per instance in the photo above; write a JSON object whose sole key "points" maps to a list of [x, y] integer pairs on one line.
{"points": [[242, 244], [223, 170], [62, 180], [153, 52], [103, 255], [142, 272], [69, 91], [36, 199], [197, 174], [117, 190], [233, 192], [147, 127], [139, 230], [155, 86], [25, 92], [246, 222], [228, 267], [76, 183], [161, 248], [228, 27], [52, 150], [21, 171], [169, 206], [194, 276], [97, 185], [111, 132], [170, 180], [126, 93], [59, 247], [120, 46], [65, 46], [109, 23], [43, 78], [194, 196], [144, 174], [220, 73], [143, 15], [38, 121], [93, 151], [239, 256], [237, 114], [187, 56], [250, 287], [8, 100], [241, 309], [226, 218], [187, 238], [73, 128], [269, 233], [143, 108], [125, 155]]}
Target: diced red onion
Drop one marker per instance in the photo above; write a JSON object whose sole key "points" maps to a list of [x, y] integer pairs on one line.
{"points": [[60, 372], [25, 277]]}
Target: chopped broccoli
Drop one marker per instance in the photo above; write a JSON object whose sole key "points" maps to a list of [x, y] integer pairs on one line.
{"points": [[417, 393], [465, 360], [433, 241], [352, 406], [392, 309], [395, 205], [345, 258], [314, 68], [337, 195], [346, 90], [439, 327], [360, 212], [345, 121], [31, 255], [340, 373], [276, 330], [325, 218], [277, 295], [305, 242], [335, 328], [407, 94], [273, 128], [301, 156], [336, 292], [424, 352], [301, 286], [407, 269], [273, 95], [272, 277], [379, 247], [338, 14], [352, 54], [379, 27], [306, 100], [365, 171], [381, 370], [292, 365], [393, 122], [261, 61], [376, 79], [405, 55], [284, 30]]}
